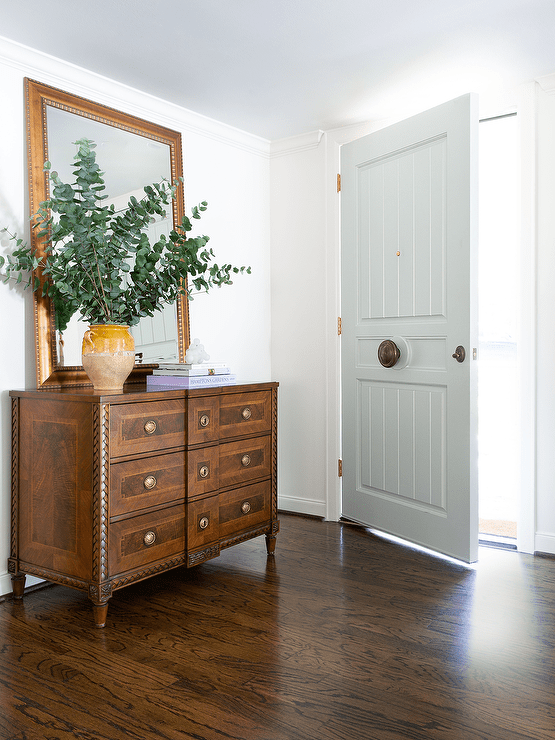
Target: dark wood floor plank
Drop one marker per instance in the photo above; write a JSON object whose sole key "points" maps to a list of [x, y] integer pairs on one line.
{"points": [[342, 635]]}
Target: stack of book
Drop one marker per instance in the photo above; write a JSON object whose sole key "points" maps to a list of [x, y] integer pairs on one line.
{"points": [[172, 375]]}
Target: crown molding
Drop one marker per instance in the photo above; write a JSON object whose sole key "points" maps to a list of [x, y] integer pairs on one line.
{"points": [[547, 83], [294, 144], [79, 81]]}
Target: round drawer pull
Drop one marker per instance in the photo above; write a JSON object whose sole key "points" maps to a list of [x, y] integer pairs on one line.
{"points": [[246, 461], [204, 472], [204, 420], [204, 522], [149, 538], [246, 413], [245, 507], [149, 482], [150, 426]]}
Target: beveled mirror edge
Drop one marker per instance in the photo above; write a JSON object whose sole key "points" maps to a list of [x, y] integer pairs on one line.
{"points": [[37, 96]]}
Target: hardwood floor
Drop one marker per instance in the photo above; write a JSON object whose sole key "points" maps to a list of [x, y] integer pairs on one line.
{"points": [[341, 636]]}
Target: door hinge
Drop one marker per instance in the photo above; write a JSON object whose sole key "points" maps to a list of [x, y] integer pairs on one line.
{"points": [[339, 327], [338, 183], [340, 468]]}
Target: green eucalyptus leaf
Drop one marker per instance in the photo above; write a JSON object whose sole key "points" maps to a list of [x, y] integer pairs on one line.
{"points": [[89, 249]]}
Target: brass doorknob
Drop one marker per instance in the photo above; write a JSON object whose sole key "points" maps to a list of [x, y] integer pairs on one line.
{"points": [[388, 353], [459, 354]]}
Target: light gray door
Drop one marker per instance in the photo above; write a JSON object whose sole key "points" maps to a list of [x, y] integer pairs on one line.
{"points": [[409, 234]]}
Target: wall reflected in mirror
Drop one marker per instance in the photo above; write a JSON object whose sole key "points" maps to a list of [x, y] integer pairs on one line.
{"points": [[129, 161]]}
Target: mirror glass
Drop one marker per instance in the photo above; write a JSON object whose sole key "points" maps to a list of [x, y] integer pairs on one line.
{"points": [[132, 153], [129, 162]]}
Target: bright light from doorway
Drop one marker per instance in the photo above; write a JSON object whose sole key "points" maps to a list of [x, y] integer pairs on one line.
{"points": [[498, 322]]}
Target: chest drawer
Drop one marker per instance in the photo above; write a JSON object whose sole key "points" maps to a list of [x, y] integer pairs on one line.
{"points": [[204, 420], [202, 522], [243, 508], [147, 427], [141, 540], [225, 514], [203, 471], [244, 460], [245, 413], [150, 481]]}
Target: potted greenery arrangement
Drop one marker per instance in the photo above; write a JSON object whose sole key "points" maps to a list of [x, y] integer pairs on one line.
{"points": [[100, 263]]}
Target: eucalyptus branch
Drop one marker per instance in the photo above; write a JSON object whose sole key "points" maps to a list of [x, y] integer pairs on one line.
{"points": [[87, 246]]}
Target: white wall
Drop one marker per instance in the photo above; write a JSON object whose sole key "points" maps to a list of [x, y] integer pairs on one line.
{"points": [[226, 167], [545, 409], [298, 228]]}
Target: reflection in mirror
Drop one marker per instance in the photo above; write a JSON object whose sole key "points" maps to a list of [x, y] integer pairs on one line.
{"points": [[129, 162], [133, 153]]}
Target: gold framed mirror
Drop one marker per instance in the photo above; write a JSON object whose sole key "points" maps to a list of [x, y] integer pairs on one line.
{"points": [[138, 150]]}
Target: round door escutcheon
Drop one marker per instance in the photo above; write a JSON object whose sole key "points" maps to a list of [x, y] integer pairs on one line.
{"points": [[204, 522], [149, 482], [459, 354], [246, 461], [204, 471], [245, 507], [246, 413], [149, 538], [204, 420], [150, 426]]}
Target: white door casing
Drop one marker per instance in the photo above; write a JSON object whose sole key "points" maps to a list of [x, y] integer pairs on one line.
{"points": [[409, 240]]}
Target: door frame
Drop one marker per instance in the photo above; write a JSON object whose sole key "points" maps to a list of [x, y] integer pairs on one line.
{"points": [[523, 102]]}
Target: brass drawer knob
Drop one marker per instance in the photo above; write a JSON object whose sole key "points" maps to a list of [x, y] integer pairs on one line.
{"points": [[204, 472], [204, 522], [149, 538], [204, 420], [246, 413], [150, 426], [246, 461], [245, 507], [149, 482]]}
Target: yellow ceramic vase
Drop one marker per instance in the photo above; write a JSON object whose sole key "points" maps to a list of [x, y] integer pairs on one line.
{"points": [[108, 355]]}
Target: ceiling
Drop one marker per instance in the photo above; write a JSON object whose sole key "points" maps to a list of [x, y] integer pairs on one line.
{"points": [[277, 68]]}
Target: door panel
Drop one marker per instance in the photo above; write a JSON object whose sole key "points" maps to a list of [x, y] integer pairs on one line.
{"points": [[405, 206], [408, 241]]}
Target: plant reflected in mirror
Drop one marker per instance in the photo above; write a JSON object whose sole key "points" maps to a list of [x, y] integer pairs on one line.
{"points": [[99, 263]]}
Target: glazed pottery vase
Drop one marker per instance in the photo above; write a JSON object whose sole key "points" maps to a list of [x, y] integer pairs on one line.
{"points": [[108, 355]]}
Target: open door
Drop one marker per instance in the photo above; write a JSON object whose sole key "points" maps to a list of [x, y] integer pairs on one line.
{"points": [[409, 327]]}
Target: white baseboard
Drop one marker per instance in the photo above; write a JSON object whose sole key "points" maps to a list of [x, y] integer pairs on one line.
{"points": [[6, 583], [544, 542], [302, 506]]}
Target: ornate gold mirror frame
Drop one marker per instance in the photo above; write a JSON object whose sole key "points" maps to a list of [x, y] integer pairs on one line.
{"points": [[50, 373]]}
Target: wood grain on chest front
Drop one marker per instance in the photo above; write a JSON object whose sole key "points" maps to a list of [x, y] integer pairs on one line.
{"points": [[55, 485], [146, 427], [112, 489]]}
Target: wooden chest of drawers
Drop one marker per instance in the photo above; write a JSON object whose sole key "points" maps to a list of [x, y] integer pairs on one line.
{"points": [[108, 489]]}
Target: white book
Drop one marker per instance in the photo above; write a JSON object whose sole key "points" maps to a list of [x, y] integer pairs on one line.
{"points": [[204, 368], [194, 371]]}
